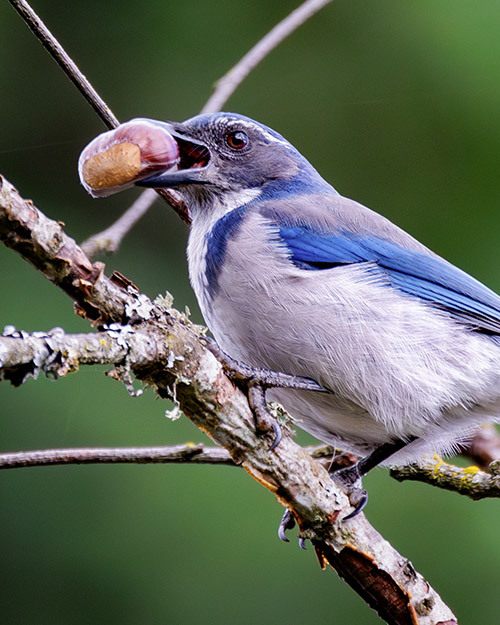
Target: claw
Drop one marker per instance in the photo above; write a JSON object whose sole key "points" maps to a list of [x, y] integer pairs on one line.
{"points": [[349, 479], [278, 435], [362, 499], [302, 543], [287, 523]]}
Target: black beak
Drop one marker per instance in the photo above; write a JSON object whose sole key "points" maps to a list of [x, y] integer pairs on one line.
{"points": [[193, 160], [172, 178]]}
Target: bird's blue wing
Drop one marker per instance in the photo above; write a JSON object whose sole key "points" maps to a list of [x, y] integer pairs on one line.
{"points": [[415, 273]]}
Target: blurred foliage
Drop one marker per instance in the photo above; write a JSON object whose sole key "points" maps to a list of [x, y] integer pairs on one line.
{"points": [[396, 104]]}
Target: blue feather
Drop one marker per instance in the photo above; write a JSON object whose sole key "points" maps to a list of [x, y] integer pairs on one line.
{"points": [[217, 240], [415, 273]]}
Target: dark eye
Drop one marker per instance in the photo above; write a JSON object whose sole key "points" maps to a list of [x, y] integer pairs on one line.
{"points": [[237, 140]]}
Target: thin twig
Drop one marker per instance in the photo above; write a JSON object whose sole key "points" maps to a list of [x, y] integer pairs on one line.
{"points": [[65, 62], [188, 453], [227, 85], [109, 240]]}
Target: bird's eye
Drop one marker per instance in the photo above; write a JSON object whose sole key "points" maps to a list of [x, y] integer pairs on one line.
{"points": [[237, 140]]}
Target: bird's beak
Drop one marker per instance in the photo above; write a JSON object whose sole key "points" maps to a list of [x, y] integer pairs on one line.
{"points": [[190, 169]]}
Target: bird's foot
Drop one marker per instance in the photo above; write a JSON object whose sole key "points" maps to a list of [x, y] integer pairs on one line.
{"points": [[358, 498], [257, 381], [262, 415], [288, 523], [349, 479]]}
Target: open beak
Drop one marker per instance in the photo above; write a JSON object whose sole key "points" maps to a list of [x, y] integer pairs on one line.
{"points": [[190, 168]]}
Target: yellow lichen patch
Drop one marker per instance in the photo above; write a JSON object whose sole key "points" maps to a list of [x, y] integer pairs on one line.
{"points": [[439, 463], [470, 471], [116, 166]]}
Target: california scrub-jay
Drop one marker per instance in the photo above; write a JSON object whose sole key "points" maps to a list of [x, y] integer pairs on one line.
{"points": [[291, 276]]}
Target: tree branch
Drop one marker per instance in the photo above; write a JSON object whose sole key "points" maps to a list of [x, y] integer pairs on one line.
{"points": [[188, 453], [228, 84], [383, 578], [468, 481], [45, 245], [24, 355]]}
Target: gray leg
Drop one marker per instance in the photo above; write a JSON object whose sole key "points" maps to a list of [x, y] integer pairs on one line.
{"points": [[257, 381], [350, 478], [267, 378]]}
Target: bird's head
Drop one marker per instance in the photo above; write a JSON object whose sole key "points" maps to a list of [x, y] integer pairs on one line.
{"points": [[227, 154]]}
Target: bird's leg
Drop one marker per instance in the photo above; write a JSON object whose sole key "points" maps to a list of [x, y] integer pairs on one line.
{"points": [[267, 378], [350, 477], [258, 404], [257, 381]]}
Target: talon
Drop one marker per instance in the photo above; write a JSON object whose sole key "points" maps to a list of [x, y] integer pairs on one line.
{"points": [[349, 479], [278, 435], [302, 543], [360, 497], [287, 523]]}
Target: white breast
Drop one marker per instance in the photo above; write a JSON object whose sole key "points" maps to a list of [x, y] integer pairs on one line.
{"points": [[204, 219]]}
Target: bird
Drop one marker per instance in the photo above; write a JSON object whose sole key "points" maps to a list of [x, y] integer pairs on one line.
{"points": [[293, 277]]}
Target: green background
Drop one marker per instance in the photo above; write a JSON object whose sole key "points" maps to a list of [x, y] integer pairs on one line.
{"points": [[397, 104]]}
